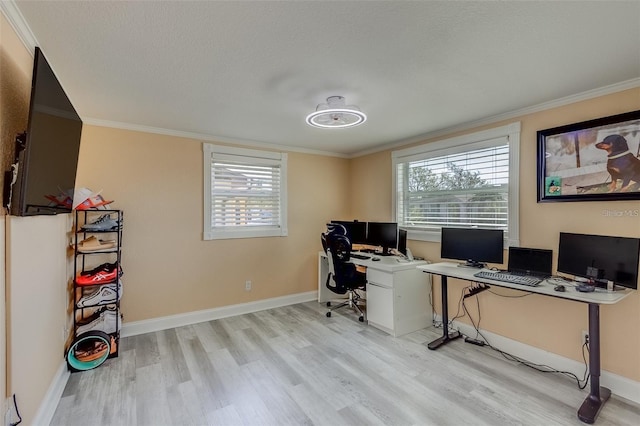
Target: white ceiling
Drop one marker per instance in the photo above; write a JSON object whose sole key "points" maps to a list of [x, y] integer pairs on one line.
{"points": [[250, 71]]}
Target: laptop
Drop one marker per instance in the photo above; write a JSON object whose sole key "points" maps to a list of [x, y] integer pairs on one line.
{"points": [[530, 261]]}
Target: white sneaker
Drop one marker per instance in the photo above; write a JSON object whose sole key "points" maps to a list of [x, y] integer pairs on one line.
{"points": [[108, 322], [103, 295]]}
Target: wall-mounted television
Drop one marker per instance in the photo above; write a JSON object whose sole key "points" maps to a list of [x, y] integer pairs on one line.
{"points": [[600, 258], [46, 157]]}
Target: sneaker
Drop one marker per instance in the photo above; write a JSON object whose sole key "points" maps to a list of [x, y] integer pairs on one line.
{"points": [[100, 277], [103, 223], [107, 267], [108, 322], [109, 293]]}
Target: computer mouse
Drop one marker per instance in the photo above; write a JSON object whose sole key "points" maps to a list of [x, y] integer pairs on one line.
{"points": [[375, 259], [559, 288]]}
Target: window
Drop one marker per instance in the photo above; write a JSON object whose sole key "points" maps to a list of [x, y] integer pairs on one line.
{"points": [[467, 181], [245, 193]]}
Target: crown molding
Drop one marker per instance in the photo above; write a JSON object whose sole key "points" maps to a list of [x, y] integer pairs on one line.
{"points": [[589, 94], [14, 16], [201, 137]]}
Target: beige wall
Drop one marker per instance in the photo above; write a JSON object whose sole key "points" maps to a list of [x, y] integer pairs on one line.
{"points": [[549, 324], [168, 268]]}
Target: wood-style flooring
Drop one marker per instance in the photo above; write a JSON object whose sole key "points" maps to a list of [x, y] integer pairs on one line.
{"points": [[294, 366]]}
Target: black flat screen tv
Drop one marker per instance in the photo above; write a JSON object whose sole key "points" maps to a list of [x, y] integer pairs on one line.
{"points": [[47, 156], [473, 245], [600, 258]]}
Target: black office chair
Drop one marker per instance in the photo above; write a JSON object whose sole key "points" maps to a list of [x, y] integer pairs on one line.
{"points": [[343, 277]]}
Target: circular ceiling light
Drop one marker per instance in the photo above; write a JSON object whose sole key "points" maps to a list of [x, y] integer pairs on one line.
{"points": [[336, 115]]}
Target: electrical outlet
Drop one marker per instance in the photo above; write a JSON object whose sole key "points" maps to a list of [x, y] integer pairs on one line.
{"points": [[247, 285], [585, 336]]}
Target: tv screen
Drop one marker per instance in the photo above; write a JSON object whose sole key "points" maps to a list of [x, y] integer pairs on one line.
{"points": [[475, 246], [601, 258], [383, 234], [47, 164], [356, 231]]}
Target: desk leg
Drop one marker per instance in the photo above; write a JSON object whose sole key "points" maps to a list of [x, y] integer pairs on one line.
{"points": [[594, 402], [446, 337]]}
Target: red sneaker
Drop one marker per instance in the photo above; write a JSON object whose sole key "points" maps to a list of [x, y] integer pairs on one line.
{"points": [[100, 277]]}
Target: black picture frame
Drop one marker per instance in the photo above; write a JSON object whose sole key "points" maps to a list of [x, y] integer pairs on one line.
{"points": [[595, 160]]}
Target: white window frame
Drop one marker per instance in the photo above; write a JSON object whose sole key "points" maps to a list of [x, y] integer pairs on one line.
{"points": [[210, 152], [510, 133]]}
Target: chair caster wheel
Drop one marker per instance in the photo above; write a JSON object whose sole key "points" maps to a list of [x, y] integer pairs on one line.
{"points": [[328, 304], [361, 319], [328, 314]]}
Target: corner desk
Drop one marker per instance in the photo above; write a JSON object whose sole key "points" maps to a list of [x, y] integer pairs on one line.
{"points": [[398, 293], [590, 408]]}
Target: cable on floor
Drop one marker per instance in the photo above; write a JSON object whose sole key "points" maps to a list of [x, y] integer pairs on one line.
{"points": [[582, 383]]}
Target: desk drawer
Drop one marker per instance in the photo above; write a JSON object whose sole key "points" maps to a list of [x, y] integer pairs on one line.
{"points": [[384, 279]]}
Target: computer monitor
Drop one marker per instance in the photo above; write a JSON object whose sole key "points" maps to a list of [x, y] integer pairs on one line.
{"points": [[600, 258], [402, 241], [356, 231], [473, 245], [530, 261], [383, 234]]}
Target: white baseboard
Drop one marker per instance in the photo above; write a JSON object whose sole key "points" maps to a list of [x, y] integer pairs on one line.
{"points": [[49, 403], [179, 320], [619, 385]]}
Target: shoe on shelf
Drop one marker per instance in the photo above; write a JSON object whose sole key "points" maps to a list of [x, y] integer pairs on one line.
{"points": [[94, 245], [108, 321], [100, 277], [106, 267], [109, 293], [103, 223], [86, 199]]}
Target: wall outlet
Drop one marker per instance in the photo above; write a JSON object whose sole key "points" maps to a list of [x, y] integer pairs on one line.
{"points": [[247, 285], [585, 337]]}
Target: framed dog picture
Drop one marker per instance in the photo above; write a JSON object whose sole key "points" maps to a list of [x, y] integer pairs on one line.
{"points": [[596, 160]]}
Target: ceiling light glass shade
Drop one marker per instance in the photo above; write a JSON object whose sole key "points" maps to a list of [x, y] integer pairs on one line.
{"points": [[336, 115]]}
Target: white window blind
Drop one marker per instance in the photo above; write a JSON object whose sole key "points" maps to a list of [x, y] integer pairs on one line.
{"points": [[245, 194], [461, 182]]}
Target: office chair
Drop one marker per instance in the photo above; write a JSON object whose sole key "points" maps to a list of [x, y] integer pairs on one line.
{"points": [[343, 277]]}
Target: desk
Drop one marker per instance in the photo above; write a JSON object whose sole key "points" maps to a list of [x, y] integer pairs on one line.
{"points": [[597, 397], [397, 293]]}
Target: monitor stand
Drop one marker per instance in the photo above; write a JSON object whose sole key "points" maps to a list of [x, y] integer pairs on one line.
{"points": [[472, 264], [385, 252]]}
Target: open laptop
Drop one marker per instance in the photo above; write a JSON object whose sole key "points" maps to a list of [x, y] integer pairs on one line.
{"points": [[530, 261]]}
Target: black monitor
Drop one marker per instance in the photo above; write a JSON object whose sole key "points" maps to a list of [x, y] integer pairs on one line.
{"points": [[402, 241], [600, 258], [473, 245], [356, 231], [383, 234]]}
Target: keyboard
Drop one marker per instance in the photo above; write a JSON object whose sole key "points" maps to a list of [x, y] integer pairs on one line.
{"points": [[509, 278], [360, 256]]}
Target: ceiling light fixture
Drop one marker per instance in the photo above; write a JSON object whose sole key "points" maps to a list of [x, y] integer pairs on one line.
{"points": [[336, 115]]}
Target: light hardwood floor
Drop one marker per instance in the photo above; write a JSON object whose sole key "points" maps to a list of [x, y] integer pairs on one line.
{"points": [[294, 366]]}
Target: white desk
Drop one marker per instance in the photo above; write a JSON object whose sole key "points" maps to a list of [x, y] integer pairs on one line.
{"points": [[397, 293], [592, 405]]}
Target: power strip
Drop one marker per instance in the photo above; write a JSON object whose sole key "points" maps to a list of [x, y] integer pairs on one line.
{"points": [[475, 290]]}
